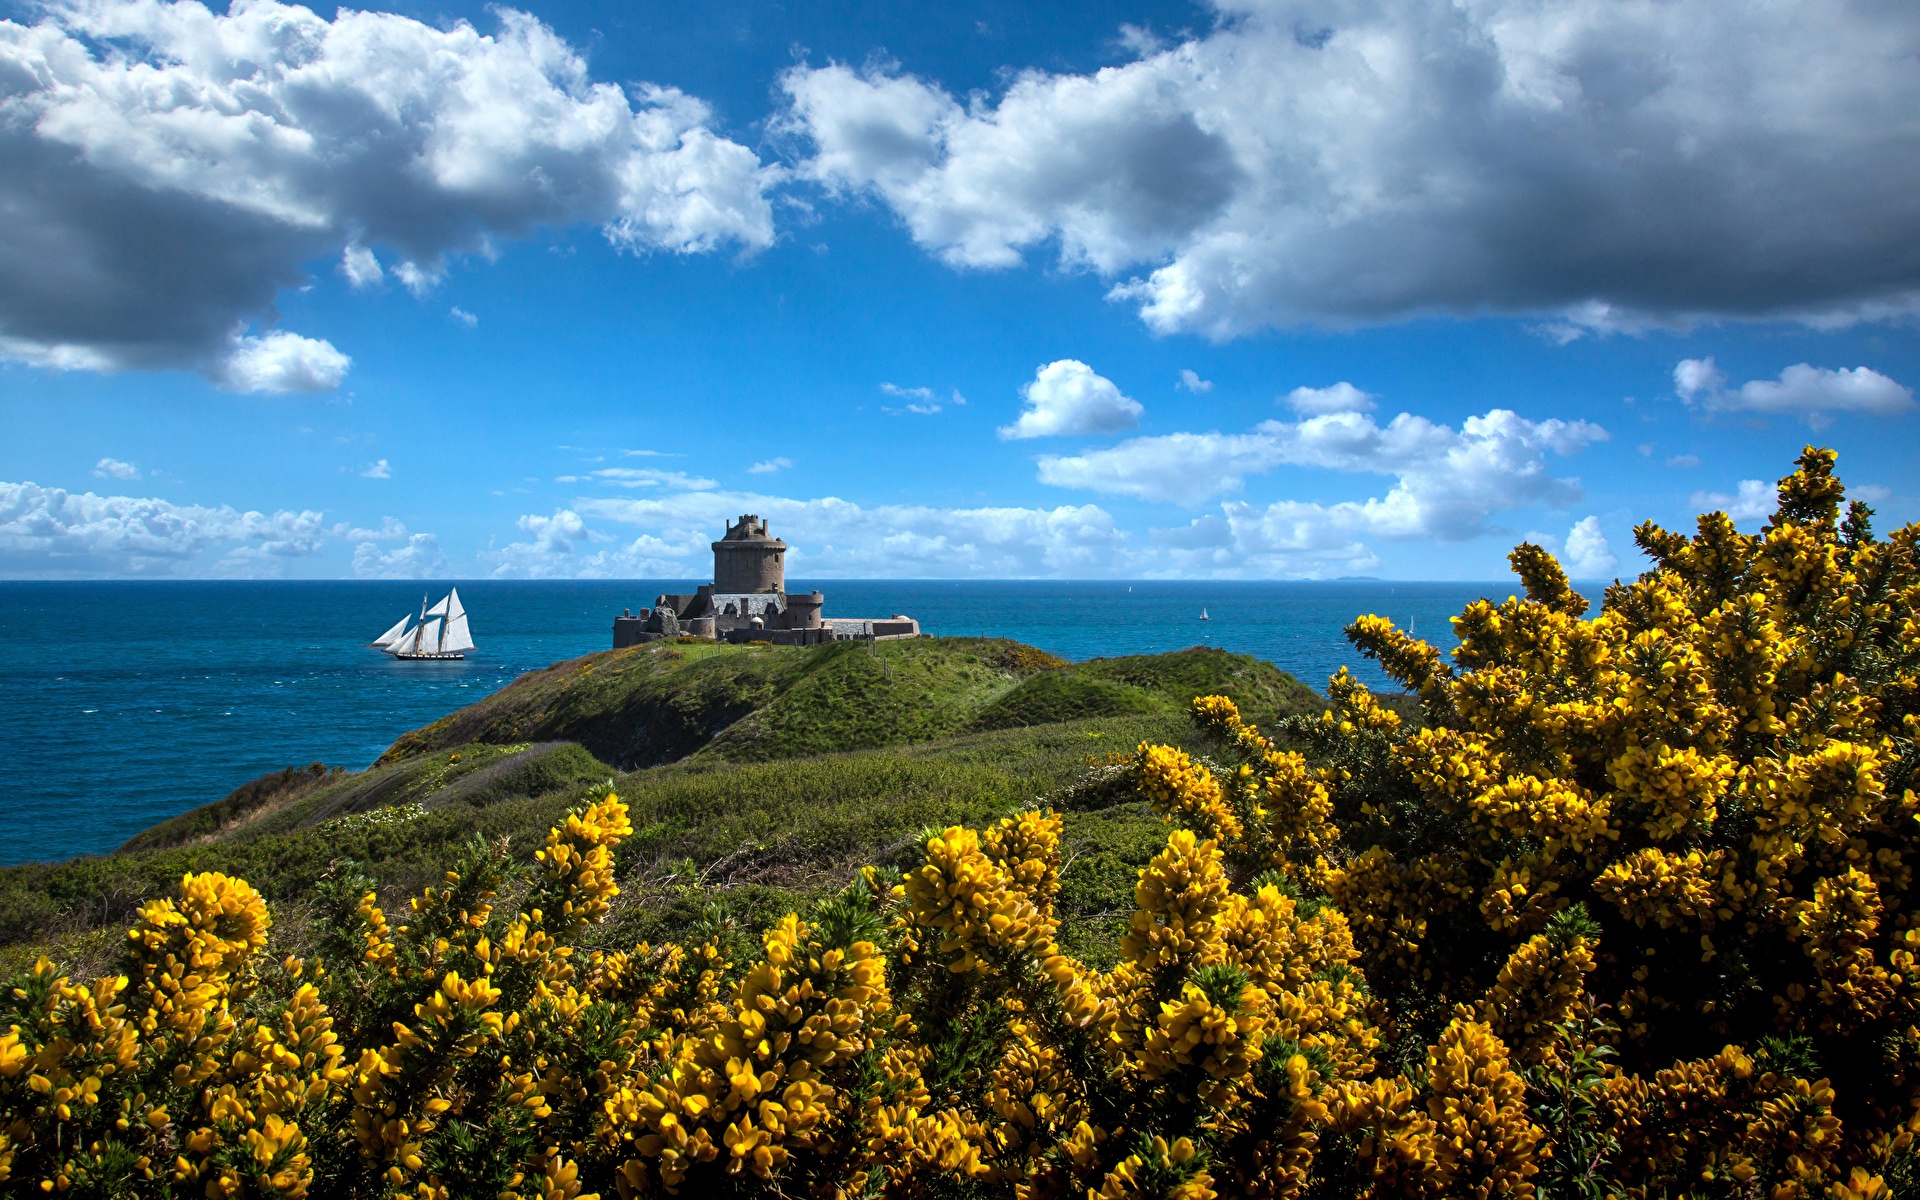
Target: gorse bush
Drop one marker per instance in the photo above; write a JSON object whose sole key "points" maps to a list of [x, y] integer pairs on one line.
{"points": [[1629, 914]]}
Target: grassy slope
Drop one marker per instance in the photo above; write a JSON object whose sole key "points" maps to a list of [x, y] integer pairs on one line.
{"points": [[660, 703], [769, 776]]}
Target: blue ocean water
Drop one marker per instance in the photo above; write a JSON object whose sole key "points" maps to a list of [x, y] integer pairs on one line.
{"points": [[122, 704]]}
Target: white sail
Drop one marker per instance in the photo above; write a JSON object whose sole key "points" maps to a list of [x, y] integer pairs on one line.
{"points": [[456, 636], [393, 635], [425, 638], [440, 609]]}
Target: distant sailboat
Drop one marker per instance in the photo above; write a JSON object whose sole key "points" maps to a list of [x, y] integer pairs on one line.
{"points": [[441, 633], [1203, 613]]}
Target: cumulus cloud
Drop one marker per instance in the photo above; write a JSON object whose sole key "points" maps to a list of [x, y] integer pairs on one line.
{"points": [[1587, 555], [378, 469], [1684, 462], [280, 362], [1812, 393], [1447, 482], [113, 468], [54, 533], [1752, 501], [419, 558], [463, 316], [770, 466], [1341, 397], [1191, 381], [170, 169], [1066, 398], [1354, 161]]}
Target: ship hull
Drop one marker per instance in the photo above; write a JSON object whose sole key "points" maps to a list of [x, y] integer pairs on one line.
{"points": [[432, 657]]}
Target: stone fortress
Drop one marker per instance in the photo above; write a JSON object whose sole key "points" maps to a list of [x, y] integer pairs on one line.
{"points": [[748, 601]]}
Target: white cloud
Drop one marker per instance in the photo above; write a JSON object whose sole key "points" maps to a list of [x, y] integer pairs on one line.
{"points": [[1751, 502], [420, 558], [53, 533], [361, 266], [463, 316], [170, 169], [1341, 397], [1809, 392], [1697, 377], [389, 530], [1191, 381], [1353, 161], [1447, 482], [1684, 462], [378, 469], [644, 477], [113, 468], [770, 466], [1588, 556], [281, 362], [919, 399], [828, 536], [1067, 397]]}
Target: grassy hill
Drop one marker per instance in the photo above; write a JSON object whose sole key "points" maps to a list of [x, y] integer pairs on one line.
{"points": [[757, 776], [663, 702]]}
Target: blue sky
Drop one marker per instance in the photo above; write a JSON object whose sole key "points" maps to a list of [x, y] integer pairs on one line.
{"points": [[1276, 289]]}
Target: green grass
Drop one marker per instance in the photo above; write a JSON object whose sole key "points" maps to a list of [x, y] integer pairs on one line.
{"points": [[663, 702], [758, 779]]}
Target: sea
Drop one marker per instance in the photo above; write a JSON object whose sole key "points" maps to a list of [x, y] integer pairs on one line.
{"points": [[125, 703]]}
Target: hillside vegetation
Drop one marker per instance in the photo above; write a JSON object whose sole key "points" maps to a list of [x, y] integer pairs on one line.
{"points": [[662, 702], [758, 774]]}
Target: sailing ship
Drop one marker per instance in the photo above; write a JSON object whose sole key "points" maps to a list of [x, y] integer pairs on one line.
{"points": [[1203, 613], [440, 633]]}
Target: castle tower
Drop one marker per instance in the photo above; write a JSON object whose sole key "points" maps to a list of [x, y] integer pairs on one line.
{"points": [[748, 560]]}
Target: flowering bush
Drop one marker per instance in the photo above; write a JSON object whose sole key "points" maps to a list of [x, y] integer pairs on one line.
{"points": [[1629, 913]]}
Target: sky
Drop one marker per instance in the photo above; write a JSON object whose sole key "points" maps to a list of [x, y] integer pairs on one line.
{"points": [[1130, 289]]}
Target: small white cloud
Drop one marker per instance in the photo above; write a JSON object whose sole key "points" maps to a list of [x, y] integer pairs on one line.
{"points": [[361, 268], [377, 470], [1190, 380], [280, 362], [631, 453], [647, 477], [1697, 376], [919, 400], [390, 530], [1318, 402], [463, 316], [418, 279], [420, 558], [1588, 556], [770, 466], [1684, 462], [113, 468], [1068, 398], [1871, 493], [1753, 501], [1811, 393], [958, 398]]}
